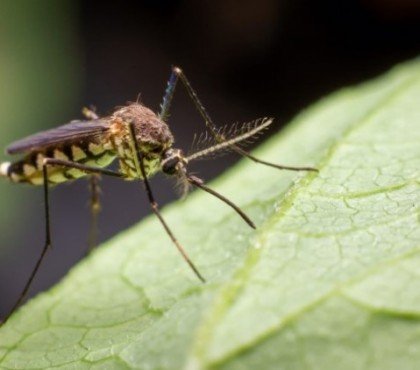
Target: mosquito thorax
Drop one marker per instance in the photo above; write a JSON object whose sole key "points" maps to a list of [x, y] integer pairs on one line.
{"points": [[173, 161], [148, 127], [151, 133]]}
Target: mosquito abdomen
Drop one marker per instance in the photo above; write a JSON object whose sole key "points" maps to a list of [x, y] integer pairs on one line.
{"points": [[30, 169]]}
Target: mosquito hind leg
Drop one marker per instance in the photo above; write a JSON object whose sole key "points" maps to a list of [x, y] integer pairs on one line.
{"points": [[46, 247], [177, 73], [61, 163], [95, 205], [95, 208]]}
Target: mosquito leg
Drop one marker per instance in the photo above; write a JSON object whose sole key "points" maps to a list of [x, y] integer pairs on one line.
{"points": [[82, 167], [199, 183], [153, 204], [178, 74], [194, 97], [95, 208], [274, 165], [95, 172], [47, 245], [169, 93], [213, 128]]}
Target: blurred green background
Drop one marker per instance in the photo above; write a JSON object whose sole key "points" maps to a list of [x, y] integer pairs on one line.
{"points": [[41, 78], [246, 59]]}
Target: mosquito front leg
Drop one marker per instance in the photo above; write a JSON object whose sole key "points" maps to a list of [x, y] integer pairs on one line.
{"points": [[177, 73], [169, 93], [240, 151], [195, 181], [141, 172]]}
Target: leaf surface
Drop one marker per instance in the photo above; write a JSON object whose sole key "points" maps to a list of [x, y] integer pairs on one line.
{"points": [[329, 280]]}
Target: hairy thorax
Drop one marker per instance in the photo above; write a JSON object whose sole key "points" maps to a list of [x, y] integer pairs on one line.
{"points": [[152, 135]]}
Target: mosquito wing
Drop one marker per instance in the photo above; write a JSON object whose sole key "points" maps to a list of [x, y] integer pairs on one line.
{"points": [[75, 130]]}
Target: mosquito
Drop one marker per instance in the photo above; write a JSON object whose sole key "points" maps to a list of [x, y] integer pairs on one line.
{"points": [[142, 143]]}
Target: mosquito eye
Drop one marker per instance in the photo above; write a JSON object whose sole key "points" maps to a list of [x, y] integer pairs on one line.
{"points": [[169, 166]]}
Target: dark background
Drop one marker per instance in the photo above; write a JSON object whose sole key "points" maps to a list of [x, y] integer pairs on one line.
{"points": [[246, 59]]}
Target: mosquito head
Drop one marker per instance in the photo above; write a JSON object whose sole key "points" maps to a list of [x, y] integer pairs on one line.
{"points": [[173, 162], [152, 134]]}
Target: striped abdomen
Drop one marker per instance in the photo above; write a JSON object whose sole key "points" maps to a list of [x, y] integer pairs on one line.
{"points": [[29, 169]]}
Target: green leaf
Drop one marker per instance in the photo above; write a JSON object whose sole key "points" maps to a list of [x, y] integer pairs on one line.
{"points": [[329, 280]]}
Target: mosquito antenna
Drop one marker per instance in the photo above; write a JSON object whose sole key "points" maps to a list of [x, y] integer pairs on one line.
{"points": [[250, 129], [199, 184]]}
